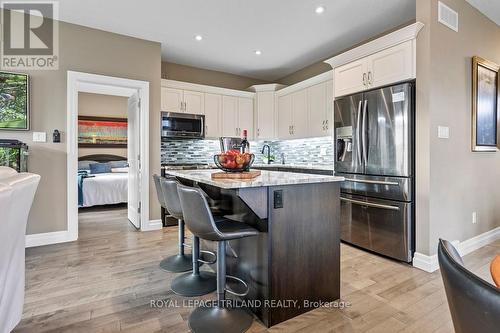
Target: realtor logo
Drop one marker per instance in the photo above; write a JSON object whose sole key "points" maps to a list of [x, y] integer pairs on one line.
{"points": [[30, 35]]}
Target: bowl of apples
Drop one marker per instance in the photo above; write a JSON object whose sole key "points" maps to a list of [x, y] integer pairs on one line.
{"points": [[234, 161]]}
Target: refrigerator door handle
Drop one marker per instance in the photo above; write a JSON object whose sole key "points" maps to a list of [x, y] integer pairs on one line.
{"points": [[377, 182], [358, 136], [363, 129], [369, 204]]}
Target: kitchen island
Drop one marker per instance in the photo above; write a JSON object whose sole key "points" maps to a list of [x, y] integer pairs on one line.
{"points": [[293, 265]]}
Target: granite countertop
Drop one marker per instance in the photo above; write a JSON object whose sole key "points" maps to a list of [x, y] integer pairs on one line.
{"points": [[267, 178], [271, 166], [296, 166]]}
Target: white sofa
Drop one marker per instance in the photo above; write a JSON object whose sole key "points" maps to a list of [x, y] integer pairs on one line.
{"points": [[17, 191]]}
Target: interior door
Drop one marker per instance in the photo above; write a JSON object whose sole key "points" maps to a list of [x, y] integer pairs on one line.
{"points": [[133, 155], [387, 134], [347, 115]]}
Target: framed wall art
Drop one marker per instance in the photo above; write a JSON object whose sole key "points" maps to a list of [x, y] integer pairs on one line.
{"points": [[102, 132], [14, 101], [485, 105]]}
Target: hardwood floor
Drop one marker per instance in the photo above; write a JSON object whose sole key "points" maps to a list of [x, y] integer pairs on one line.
{"points": [[105, 282]]}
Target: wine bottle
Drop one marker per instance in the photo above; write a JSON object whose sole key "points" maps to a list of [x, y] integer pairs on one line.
{"points": [[245, 145]]}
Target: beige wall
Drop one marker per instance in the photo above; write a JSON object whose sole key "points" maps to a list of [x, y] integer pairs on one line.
{"points": [[97, 105], [452, 181], [93, 51], [204, 76]]}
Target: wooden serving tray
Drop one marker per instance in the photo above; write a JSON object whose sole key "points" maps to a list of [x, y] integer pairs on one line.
{"points": [[236, 175]]}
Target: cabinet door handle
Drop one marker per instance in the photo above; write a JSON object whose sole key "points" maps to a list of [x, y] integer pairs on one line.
{"points": [[258, 131], [364, 79], [370, 77]]}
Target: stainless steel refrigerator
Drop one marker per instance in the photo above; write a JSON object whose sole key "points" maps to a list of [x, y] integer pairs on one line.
{"points": [[374, 136]]}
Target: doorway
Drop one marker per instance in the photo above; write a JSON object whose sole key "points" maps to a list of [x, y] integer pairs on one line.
{"points": [[137, 148]]}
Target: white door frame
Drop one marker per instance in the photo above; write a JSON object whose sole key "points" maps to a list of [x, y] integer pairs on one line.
{"points": [[108, 85]]}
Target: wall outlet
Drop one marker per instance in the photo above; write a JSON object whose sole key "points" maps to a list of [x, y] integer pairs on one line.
{"points": [[474, 217], [39, 137]]}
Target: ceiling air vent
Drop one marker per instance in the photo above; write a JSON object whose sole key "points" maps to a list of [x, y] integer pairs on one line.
{"points": [[447, 16]]}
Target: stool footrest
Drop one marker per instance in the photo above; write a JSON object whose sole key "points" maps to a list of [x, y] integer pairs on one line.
{"points": [[187, 245], [232, 292], [209, 253]]}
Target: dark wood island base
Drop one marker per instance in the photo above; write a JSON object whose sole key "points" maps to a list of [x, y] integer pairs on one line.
{"points": [[293, 266]]}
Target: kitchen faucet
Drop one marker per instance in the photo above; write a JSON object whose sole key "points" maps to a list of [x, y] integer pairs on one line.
{"points": [[268, 153]]}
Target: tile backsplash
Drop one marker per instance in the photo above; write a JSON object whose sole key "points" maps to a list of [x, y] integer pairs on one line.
{"points": [[315, 151]]}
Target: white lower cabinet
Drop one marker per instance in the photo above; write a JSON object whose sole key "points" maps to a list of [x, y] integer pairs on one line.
{"points": [[213, 110]]}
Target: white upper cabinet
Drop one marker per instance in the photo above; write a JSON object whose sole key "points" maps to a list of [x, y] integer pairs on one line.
{"points": [[391, 65], [316, 100], [237, 115], [285, 117], [351, 78], [230, 116], [299, 114], [213, 110], [265, 115], [245, 116], [194, 102], [178, 100], [329, 107], [171, 100]]}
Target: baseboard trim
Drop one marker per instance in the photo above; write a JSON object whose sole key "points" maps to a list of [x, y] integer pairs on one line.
{"points": [[154, 225], [48, 238], [431, 264], [56, 237]]}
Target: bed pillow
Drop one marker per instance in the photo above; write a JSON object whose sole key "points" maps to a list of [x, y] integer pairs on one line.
{"points": [[119, 170], [100, 168], [118, 164], [85, 165]]}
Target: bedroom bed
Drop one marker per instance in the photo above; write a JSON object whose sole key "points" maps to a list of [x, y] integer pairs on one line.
{"points": [[102, 180]]}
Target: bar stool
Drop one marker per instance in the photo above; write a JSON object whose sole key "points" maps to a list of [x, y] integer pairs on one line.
{"points": [[180, 262], [200, 221], [195, 283]]}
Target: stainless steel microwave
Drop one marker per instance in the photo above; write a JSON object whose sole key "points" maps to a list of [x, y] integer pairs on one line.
{"points": [[182, 125]]}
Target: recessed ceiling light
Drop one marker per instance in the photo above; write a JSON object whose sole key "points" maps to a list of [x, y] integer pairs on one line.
{"points": [[258, 52], [320, 10], [198, 37]]}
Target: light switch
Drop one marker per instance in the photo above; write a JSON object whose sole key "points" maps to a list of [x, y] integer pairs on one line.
{"points": [[443, 132], [39, 137]]}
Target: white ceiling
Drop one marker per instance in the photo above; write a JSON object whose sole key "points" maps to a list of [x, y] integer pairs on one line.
{"points": [[490, 8], [289, 32]]}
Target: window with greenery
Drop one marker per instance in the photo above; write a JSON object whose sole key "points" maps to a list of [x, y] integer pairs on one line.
{"points": [[13, 101]]}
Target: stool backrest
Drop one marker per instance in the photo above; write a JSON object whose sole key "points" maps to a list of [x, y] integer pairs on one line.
{"points": [[474, 303], [172, 202], [159, 192], [197, 214]]}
